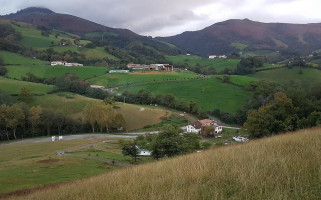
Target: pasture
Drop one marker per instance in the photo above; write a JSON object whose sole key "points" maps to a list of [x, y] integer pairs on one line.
{"points": [[17, 59], [219, 64], [243, 81], [270, 55], [45, 71], [209, 93], [25, 166], [113, 80], [307, 77], [96, 53], [31, 36], [280, 167], [14, 86], [74, 104]]}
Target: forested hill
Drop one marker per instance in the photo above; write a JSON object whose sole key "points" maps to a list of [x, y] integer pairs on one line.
{"points": [[232, 35], [120, 38], [64, 22]]}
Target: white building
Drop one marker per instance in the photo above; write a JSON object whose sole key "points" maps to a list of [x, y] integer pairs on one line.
{"points": [[192, 129], [97, 86], [212, 56]]}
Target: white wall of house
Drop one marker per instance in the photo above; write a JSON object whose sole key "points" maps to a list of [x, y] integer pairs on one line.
{"points": [[192, 129]]}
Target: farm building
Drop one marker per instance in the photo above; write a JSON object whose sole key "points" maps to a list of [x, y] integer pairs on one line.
{"points": [[65, 63], [152, 67], [197, 126], [97, 86], [216, 56], [118, 71]]}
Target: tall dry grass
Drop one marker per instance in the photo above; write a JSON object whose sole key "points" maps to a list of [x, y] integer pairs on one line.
{"points": [[281, 167]]}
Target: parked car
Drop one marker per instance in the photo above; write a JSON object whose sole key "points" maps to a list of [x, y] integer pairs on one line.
{"points": [[240, 139]]}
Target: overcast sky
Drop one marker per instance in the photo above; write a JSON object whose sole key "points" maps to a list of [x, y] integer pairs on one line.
{"points": [[170, 17]]}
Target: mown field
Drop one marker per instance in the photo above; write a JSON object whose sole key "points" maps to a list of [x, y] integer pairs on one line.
{"points": [[209, 93], [243, 81], [307, 77], [112, 80], [279, 167], [25, 166], [13, 86], [218, 64], [45, 71], [17, 59], [268, 54], [74, 104], [97, 52]]}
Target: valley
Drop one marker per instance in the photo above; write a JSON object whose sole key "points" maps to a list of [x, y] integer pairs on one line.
{"points": [[89, 111]]}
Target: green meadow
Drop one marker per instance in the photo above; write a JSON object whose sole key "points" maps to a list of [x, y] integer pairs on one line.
{"points": [[209, 93], [305, 77], [97, 52], [13, 86], [112, 80], [218, 64], [45, 71], [73, 104], [17, 59], [32, 165]]}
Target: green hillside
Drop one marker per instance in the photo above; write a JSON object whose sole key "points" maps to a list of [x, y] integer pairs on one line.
{"points": [[218, 64], [280, 167], [17, 59], [209, 93], [305, 78], [45, 71], [112, 80], [13, 86]]}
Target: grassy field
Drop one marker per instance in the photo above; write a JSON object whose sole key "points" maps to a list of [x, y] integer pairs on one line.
{"points": [[218, 64], [268, 54], [209, 93], [31, 36], [13, 86], [74, 104], [17, 59], [26, 166], [243, 81], [96, 53], [112, 80], [45, 71], [239, 46], [279, 167], [290, 76]]}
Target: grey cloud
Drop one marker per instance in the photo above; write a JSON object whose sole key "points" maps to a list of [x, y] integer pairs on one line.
{"points": [[156, 18]]}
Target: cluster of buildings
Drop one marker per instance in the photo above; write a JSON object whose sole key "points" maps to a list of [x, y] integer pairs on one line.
{"points": [[65, 63], [152, 67], [197, 126], [217, 56]]}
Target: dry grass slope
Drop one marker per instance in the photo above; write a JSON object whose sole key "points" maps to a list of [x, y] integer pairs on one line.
{"points": [[280, 167]]}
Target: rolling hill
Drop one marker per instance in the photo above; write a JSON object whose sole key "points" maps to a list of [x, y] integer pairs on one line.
{"points": [[234, 35], [280, 167], [121, 38]]}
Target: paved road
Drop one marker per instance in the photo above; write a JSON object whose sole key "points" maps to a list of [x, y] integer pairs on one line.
{"points": [[68, 137]]}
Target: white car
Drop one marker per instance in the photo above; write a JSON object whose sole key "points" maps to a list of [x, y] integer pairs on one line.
{"points": [[240, 139]]}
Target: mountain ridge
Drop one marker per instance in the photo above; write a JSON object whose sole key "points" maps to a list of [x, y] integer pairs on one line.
{"points": [[218, 37]]}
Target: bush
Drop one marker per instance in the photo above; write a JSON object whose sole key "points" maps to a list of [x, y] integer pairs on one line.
{"points": [[3, 70]]}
